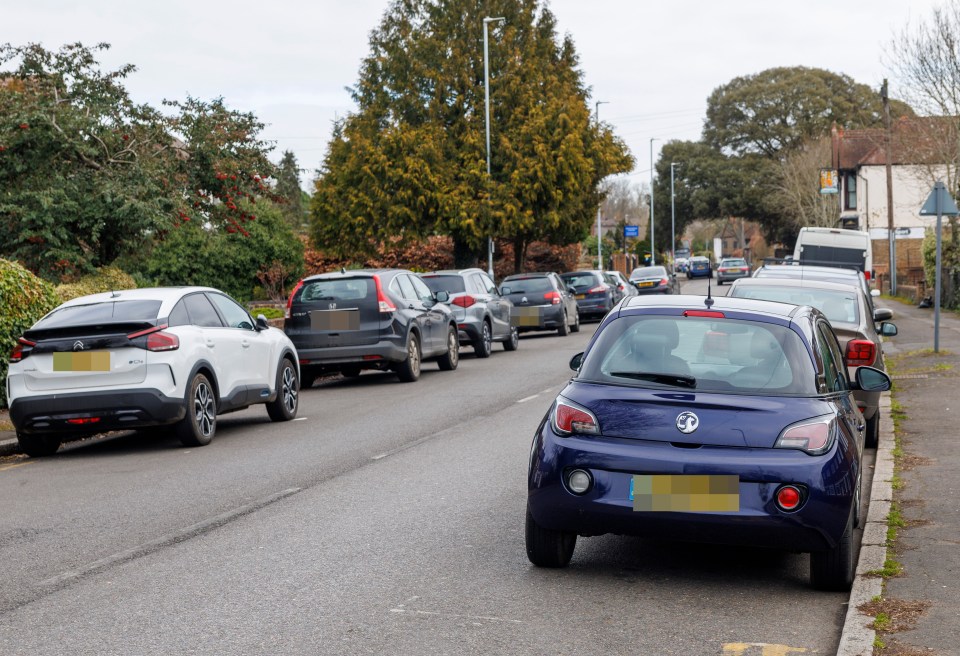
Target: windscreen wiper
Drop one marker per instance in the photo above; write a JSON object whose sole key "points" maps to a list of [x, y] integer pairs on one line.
{"points": [[664, 379]]}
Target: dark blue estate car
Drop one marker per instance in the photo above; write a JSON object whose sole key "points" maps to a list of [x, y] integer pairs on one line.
{"points": [[724, 420]]}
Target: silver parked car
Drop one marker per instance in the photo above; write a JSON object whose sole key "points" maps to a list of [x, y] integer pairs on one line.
{"points": [[623, 284], [482, 314], [848, 309]]}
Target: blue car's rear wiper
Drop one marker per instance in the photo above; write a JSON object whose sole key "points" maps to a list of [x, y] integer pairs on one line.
{"points": [[665, 379]]}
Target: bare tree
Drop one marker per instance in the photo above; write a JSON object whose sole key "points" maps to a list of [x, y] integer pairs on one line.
{"points": [[925, 60], [798, 195]]}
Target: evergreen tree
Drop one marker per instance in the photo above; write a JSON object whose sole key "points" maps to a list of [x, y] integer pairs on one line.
{"points": [[288, 190], [411, 162]]}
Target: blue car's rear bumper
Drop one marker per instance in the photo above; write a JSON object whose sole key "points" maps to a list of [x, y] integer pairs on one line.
{"points": [[612, 462]]}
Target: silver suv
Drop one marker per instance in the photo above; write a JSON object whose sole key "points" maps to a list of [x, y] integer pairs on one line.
{"points": [[482, 314]]}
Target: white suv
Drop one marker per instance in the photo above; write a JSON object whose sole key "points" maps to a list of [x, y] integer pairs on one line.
{"points": [[146, 357]]}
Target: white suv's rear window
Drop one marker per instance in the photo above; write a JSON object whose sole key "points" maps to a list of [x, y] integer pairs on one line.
{"points": [[96, 313]]}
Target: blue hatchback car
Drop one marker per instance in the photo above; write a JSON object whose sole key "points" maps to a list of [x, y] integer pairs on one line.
{"points": [[699, 265], [727, 421]]}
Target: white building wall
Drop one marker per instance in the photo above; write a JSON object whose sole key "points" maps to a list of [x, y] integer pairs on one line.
{"points": [[911, 186]]}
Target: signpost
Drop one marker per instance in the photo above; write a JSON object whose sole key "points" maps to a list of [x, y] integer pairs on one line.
{"points": [[631, 231], [938, 203]]}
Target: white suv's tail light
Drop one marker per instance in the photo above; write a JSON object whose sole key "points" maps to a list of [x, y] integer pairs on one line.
{"points": [[156, 339], [814, 436], [18, 353], [568, 418]]}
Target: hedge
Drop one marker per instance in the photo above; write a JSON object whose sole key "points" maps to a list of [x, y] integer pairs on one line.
{"points": [[24, 299]]}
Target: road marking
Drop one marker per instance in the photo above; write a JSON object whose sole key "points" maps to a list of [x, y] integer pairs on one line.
{"points": [[300, 419], [171, 538], [455, 615], [16, 464], [747, 649], [528, 398]]}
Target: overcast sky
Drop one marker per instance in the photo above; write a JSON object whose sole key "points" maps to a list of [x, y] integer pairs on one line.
{"points": [[655, 63]]}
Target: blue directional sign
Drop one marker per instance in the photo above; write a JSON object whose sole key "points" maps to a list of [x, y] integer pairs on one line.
{"points": [[631, 231]]}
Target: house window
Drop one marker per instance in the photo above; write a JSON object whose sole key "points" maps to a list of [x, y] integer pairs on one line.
{"points": [[850, 191]]}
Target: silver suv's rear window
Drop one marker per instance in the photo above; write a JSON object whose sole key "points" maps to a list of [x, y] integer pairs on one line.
{"points": [[839, 306], [706, 354], [449, 284], [98, 313]]}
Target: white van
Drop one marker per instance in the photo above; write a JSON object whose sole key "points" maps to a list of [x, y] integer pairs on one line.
{"points": [[835, 247]]}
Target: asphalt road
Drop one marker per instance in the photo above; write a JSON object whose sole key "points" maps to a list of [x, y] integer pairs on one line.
{"points": [[387, 520]]}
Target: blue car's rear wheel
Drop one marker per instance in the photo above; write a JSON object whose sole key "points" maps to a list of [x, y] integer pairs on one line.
{"points": [[546, 548], [834, 569]]}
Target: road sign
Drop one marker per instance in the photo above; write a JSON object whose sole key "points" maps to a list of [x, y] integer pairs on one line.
{"points": [[939, 202], [946, 206], [631, 231]]}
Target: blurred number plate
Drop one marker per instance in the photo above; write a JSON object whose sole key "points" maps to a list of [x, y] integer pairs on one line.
{"points": [[580, 297], [340, 320], [82, 361], [525, 316], [688, 493], [646, 284]]}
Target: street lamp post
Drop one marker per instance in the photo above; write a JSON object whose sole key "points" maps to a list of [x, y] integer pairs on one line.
{"points": [[673, 220], [486, 92], [599, 238], [653, 248]]}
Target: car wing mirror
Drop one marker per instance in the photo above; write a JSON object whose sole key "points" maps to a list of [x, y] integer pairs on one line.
{"points": [[869, 379], [262, 323], [576, 361], [882, 314], [874, 292], [505, 290], [888, 329], [441, 296]]}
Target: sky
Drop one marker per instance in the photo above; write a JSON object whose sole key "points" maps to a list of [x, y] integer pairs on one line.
{"points": [[652, 64]]}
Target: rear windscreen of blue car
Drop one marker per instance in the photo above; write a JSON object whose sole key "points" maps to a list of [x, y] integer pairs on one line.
{"points": [[581, 280], [97, 313], [706, 354]]}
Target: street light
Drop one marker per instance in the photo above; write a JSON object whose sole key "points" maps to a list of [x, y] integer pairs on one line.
{"points": [[486, 89], [599, 253], [653, 249], [673, 220]]}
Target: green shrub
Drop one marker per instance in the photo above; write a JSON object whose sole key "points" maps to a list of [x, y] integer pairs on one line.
{"points": [[106, 279], [24, 298], [227, 260], [267, 311]]}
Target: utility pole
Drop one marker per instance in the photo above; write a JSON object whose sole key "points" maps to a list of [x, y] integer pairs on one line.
{"points": [[486, 91], [673, 221], [653, 248], [891, 233], [599, 228]]}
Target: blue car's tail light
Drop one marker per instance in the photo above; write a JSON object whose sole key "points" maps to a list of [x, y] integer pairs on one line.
{"points": [[814, 436], [569, 418], [579, 481]]}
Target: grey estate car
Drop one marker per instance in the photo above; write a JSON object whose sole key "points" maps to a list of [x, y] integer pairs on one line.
{"points": [[482, 314]]}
